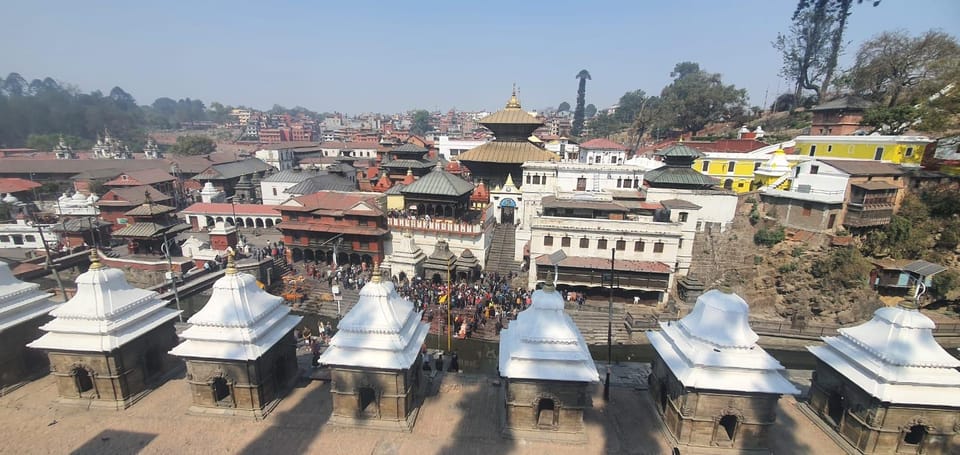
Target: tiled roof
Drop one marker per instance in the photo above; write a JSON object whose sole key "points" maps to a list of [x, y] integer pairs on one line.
{"points": [[226, 171], [224, 208], [125, 197], [146, 230], [846, 102], [604, 264], [601, 144], [513, 152], [16, 185], [864, 167], [150, 210], [143, 177], [439, 183], [332, 201], [338, 228], [323, 182]]}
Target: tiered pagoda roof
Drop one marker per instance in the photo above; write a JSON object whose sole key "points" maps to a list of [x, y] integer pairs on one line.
{"points": [[20, 301], [105, 314], [544, 343], [678, 171], [894, 358], [439, 183], [511, 128], [714, 348], [381, 331], [239, 322]]}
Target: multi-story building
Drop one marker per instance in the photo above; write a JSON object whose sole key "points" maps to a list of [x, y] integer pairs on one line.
{"points": [[841, 116], [602, 151], [900, 150], [333, 226], [281, 158], [451, 148]]}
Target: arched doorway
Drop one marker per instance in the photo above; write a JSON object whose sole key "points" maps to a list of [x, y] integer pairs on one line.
{"points": [[355, 258], [729, 425], [210, 221], [835, 407], [728, 184], [83, 381], [219, 218], [915, 435], [308, 255], [343, 259], [268, 223], [297, 254], [437, 279], [367, 259], [259, 222], [220, 389], [367, 402], [508, 208], [230, 221], [546, 413]]}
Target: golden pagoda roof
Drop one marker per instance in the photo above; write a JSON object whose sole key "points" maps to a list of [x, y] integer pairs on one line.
{"points": [[507, 152], [512, 114]]}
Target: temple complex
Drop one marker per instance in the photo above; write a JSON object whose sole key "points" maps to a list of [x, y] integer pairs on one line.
{"points": [[886, 386], [108, 344], [441, 264], [149, 226], [410, 157], [239, 349], [23, 308], [711, 383], [109, 147], [439, 195], [510, 148], [547, 371], [374, 359]]}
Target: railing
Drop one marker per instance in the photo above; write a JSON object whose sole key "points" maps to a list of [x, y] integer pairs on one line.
{"points": [[436, 225]]}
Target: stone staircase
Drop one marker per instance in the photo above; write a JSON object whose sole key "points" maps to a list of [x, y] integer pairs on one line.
{"points": [[281, 266], [593, 324], [502, 249]]}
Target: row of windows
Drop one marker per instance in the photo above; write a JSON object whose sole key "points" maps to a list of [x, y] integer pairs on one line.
{"points": [[537, 179], [17, 238], [621, 245], [731, 165], [877, 154], [628, 183]]}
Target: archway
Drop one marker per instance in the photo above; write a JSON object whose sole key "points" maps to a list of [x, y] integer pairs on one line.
{"points": [[259, 222], [219, 218], [343, 259], [546, 412], [728, 184], [320, 256], [402, 276], [508, 208], [729, 425], [915, 435], [210, 221], [367, 259], [268, 223], [367, 402], [221, 392], [241, 222], [437, 279], [308, 255], [230, 221], [83, 381], [297, 254]]}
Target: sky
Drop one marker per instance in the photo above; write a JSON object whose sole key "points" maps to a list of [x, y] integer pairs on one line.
{"points": [[364, 56]]}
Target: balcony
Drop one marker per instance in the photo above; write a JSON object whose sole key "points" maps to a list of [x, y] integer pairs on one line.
{"points": [[857, 217], [447, 227]]}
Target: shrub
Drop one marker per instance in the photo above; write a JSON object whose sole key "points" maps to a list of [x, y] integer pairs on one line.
{"points": [[769, 236], [757, 259], [787, 268], [797, 251]]}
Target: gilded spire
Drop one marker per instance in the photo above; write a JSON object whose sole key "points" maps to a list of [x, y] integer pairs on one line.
{"points": [[514, 102], [376, 272], [509, 181], [95, 260], [231, 263]]}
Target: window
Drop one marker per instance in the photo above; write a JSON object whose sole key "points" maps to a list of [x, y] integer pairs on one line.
{"points": [[582, 184], [636, 183], [621, 245], [915, 436], [728, 184], [528, 179], [30, 238], [536, 180], [274, 191], [597, 159], [602, 244], [613, 159], [584, 243], [807, 209], [813, 150], [704, 166], [548, 240], [731, 165], [814, 170], [4, 239], [638, 246], [756, 166], [619, 183], [682, 217], [909, 152], [628, 183], [544, 181], [565, 241], [829, 148], [658, 247], [680, 244], [729, 424], [878, 155]]}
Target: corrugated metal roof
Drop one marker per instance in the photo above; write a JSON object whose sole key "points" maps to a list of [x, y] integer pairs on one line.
{"points": [[875, 186], [290, 176], [410, 148], [225, 171], [671, 175], [408, 164], [846, 102], [141, 230], [439, 183], [395, 189], [924, 268], [514, 152], [552, 202], [325, 182], [680, 204]]}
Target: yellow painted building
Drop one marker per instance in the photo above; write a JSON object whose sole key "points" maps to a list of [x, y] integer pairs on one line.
{"points": [[901, 150], [735, 171]]}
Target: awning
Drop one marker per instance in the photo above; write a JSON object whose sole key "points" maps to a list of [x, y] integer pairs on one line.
{"points": [[872, 186], [623, 265]]}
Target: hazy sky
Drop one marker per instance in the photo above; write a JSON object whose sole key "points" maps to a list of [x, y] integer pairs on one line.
{"points": [[358, 56]]}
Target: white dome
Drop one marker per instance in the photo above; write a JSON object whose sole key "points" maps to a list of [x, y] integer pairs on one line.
{"points": [[79, 197], [721, 319]]}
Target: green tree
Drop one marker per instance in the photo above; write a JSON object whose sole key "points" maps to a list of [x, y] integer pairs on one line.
{"points": [[193, 145], [605, 125], [891, 120], [420, 123], [894, 66], [579, 113], [945, 285], [696, 98], [564, 107], [590, 111]]}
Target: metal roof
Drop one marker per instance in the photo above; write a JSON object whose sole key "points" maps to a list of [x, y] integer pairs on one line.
{"points": [[225, 171], [864, 167], [672, 175], [149, 210], [872, 185], [514, 152], [324, 182], [146, 230], [680, 204], [924, 268], [846, 102], [439, 183], [680, 150], [410, 148], [407, 164], [290, 176]]}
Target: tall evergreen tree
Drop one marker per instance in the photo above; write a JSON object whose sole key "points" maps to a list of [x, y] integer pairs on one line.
{"points": [[578, 114]]}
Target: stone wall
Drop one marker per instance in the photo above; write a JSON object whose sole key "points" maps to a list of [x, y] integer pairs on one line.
{"points": [[251, 384], [120, 375], [712, 418], [524, 410], [876, 427], [395, 393]]}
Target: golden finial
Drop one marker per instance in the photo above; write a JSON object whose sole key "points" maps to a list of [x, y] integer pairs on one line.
{"points": [[514, 102], [95, 260], [376, 272], [231, 263], [908, 304]]}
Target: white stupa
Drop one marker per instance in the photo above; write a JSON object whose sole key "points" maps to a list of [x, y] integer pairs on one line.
{"points": [[381, 331], [544, 344], [239, 322], [20, 301], [895, 358], [714, 348], [105, 314]]}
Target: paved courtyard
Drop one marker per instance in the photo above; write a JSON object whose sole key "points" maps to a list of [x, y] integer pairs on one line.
{"points": [[459, 416]]}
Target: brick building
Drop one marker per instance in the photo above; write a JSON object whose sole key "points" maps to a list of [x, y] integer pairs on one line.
{"points": [[334, 226]]}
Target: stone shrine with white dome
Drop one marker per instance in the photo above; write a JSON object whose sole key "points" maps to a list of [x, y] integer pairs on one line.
{"points": [[108, 344], [710, 382], [375, 357], [240, 349], [23, 308], [886, 386], [547, 371]]}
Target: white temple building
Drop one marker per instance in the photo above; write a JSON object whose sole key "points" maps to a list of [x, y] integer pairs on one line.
{"points": [[711, 381], [374, 360], [887, 386], [240, 348], [78, 205], [109, 342], [23, 308], [547, 370]]}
